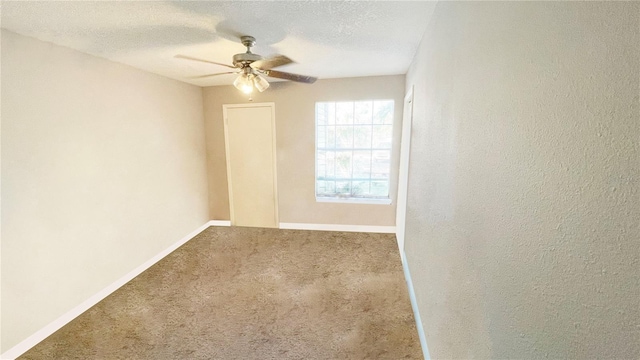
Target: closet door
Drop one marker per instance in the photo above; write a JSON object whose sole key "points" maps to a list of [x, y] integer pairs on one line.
{"points": [[251, 164]]}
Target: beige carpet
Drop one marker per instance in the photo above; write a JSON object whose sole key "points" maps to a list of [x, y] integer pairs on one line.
{"points": [[249, 293]]}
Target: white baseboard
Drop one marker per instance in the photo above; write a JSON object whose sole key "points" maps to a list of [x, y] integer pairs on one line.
{"points": [[54, 326], [338, 227], [414, 305], [219, 223]]}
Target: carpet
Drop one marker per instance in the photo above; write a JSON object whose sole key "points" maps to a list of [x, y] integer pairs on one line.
{"points": [[253, 293]]}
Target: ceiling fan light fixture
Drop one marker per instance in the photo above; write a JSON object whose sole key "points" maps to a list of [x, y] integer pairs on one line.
{"points": [[261, 83], [244, 83]]}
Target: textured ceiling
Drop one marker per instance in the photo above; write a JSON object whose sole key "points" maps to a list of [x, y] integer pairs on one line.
{"points": [[326, 39]]}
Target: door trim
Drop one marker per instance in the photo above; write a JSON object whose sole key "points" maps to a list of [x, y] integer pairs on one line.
{"points": [[272, 105], [403, 172]]}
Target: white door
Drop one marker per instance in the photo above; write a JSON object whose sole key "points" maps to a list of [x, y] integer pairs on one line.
{"points": [[403, 180], [251, 164]]}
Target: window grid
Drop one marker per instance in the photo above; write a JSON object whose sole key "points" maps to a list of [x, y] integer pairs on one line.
{"points": [[332, 116]]}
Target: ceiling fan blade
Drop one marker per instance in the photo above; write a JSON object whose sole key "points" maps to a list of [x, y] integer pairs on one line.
{"points": [[209, 75], [271, 62], [204, 61], [290, 76]]}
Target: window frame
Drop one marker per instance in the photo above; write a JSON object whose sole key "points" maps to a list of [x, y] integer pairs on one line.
{"points": [[338, 198]]}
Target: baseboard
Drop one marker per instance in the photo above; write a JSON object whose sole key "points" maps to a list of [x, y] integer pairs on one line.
{"points": [[54, 326], [414, 305], [219, 223], [338, 227]]}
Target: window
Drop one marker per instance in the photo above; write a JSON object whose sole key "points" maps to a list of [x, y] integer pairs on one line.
{"points": [[353, 150]]}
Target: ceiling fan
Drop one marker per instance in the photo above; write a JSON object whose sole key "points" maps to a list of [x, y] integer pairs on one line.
{"points": [[250, 67]]}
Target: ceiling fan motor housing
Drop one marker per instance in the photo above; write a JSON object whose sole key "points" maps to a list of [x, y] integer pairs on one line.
{"points": [[244, 59]]}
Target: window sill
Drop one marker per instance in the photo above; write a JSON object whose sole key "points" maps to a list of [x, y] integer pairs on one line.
{"points": [[353, 200]]}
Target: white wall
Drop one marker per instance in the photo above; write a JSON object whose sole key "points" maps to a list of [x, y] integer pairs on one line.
{"points": [[295, 140], [103, 166], [523, 231]]}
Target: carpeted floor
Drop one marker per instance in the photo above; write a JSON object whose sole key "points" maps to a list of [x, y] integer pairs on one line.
{"points": [[250, 293]]}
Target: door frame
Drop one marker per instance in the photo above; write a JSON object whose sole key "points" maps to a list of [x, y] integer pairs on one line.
{"points": [[403, 173], [272, 105]]}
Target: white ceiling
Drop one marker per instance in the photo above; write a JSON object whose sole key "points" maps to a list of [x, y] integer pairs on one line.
{"points": [[326, 39]]}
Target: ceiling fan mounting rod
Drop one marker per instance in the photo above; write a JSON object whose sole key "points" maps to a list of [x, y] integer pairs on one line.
{"points": [[249, 42]]}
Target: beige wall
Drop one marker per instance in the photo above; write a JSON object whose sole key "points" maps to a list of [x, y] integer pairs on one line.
{"points": [[295, 137], [103, 167], [523, 235]]}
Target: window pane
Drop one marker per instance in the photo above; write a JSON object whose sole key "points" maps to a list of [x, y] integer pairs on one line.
{"points": [[331, 113], [321, 113], [343, 164], [382, 136], [325, 187], [362, 137], [343, 187], [344, 137], [321, 133], [321, 187], [380, 164], [331, 187], [361, 164], [383, 112], [320, 165], [380, 188], [363, 112], [331, 137], [330, 159], [360, 188], [344, 113]]}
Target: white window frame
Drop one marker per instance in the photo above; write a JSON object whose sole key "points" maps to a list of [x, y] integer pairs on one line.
{"points": [[351, 199]]}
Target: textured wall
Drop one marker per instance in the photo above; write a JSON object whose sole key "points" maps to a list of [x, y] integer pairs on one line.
{"points": [[295, 141], [523, 230], [103, 166]]}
